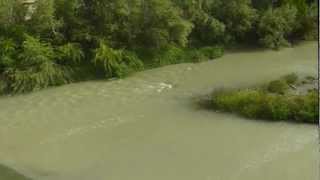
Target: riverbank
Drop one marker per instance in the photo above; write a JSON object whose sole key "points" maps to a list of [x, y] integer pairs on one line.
{"points": [[21, 82], [107, 65], [286, 99]]}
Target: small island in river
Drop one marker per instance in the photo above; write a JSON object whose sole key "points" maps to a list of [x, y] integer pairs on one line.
{"points": [[287, 98]]}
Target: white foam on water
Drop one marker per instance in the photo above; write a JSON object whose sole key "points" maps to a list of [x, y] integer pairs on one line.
{"points": [[163, 86]]}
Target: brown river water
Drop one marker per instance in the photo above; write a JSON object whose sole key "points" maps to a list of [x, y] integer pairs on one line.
{"points": [[148, 126]]}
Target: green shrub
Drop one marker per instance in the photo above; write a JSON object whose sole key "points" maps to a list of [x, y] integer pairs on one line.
{"points": [[212, 52], [291, 78], [116, 63], [278, 86], [263, 105], [234, 100], [309, 108], [69, 53], [275, 25], [310, 78], [203, 54], [36, 68], [169, 55], [2, 87], [195, 56], [7, 53], [279, 109], [251, 111], [307, 21], [36, 78], [130, 63], [172, 54]]}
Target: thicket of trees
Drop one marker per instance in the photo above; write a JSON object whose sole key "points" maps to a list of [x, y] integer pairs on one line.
{"points": [[53, 42]]}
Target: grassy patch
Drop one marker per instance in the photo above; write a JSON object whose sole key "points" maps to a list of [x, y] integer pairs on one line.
{"points": [[291, 78], [272, 103], [278, 86]]}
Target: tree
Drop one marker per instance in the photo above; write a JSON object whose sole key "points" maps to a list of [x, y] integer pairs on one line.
{"points": [[74, 27], [35, 68], [42, 18], [237, 15], [115, 63], [207, 29], [129, 23], [12, 12], [275, 25], [262, 4]]}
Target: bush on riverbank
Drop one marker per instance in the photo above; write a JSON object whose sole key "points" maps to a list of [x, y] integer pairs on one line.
{"points": [[36, 68], [261, 104], [278, 86], [116, 63], [175, 55], [291, 78]]}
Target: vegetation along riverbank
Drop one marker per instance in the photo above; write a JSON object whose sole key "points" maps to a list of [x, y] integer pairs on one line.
{"points": [[287, 99], [53, 42]]}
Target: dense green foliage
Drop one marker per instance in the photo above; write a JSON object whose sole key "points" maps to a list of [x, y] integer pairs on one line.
{"points": [[53, 42], [260, 103], [173, 55], [291, 78], [116, 62], [278, 86], [276, 25], [35, 67]]}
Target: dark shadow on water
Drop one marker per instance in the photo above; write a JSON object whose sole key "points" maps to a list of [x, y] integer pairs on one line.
{"points": [[202, 102], [7, 173]]}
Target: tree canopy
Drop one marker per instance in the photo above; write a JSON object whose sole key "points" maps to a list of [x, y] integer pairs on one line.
{"points": [[49, 42]]}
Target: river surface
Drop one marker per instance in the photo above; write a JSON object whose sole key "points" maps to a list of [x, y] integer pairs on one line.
{"points": [[149, 127]]}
